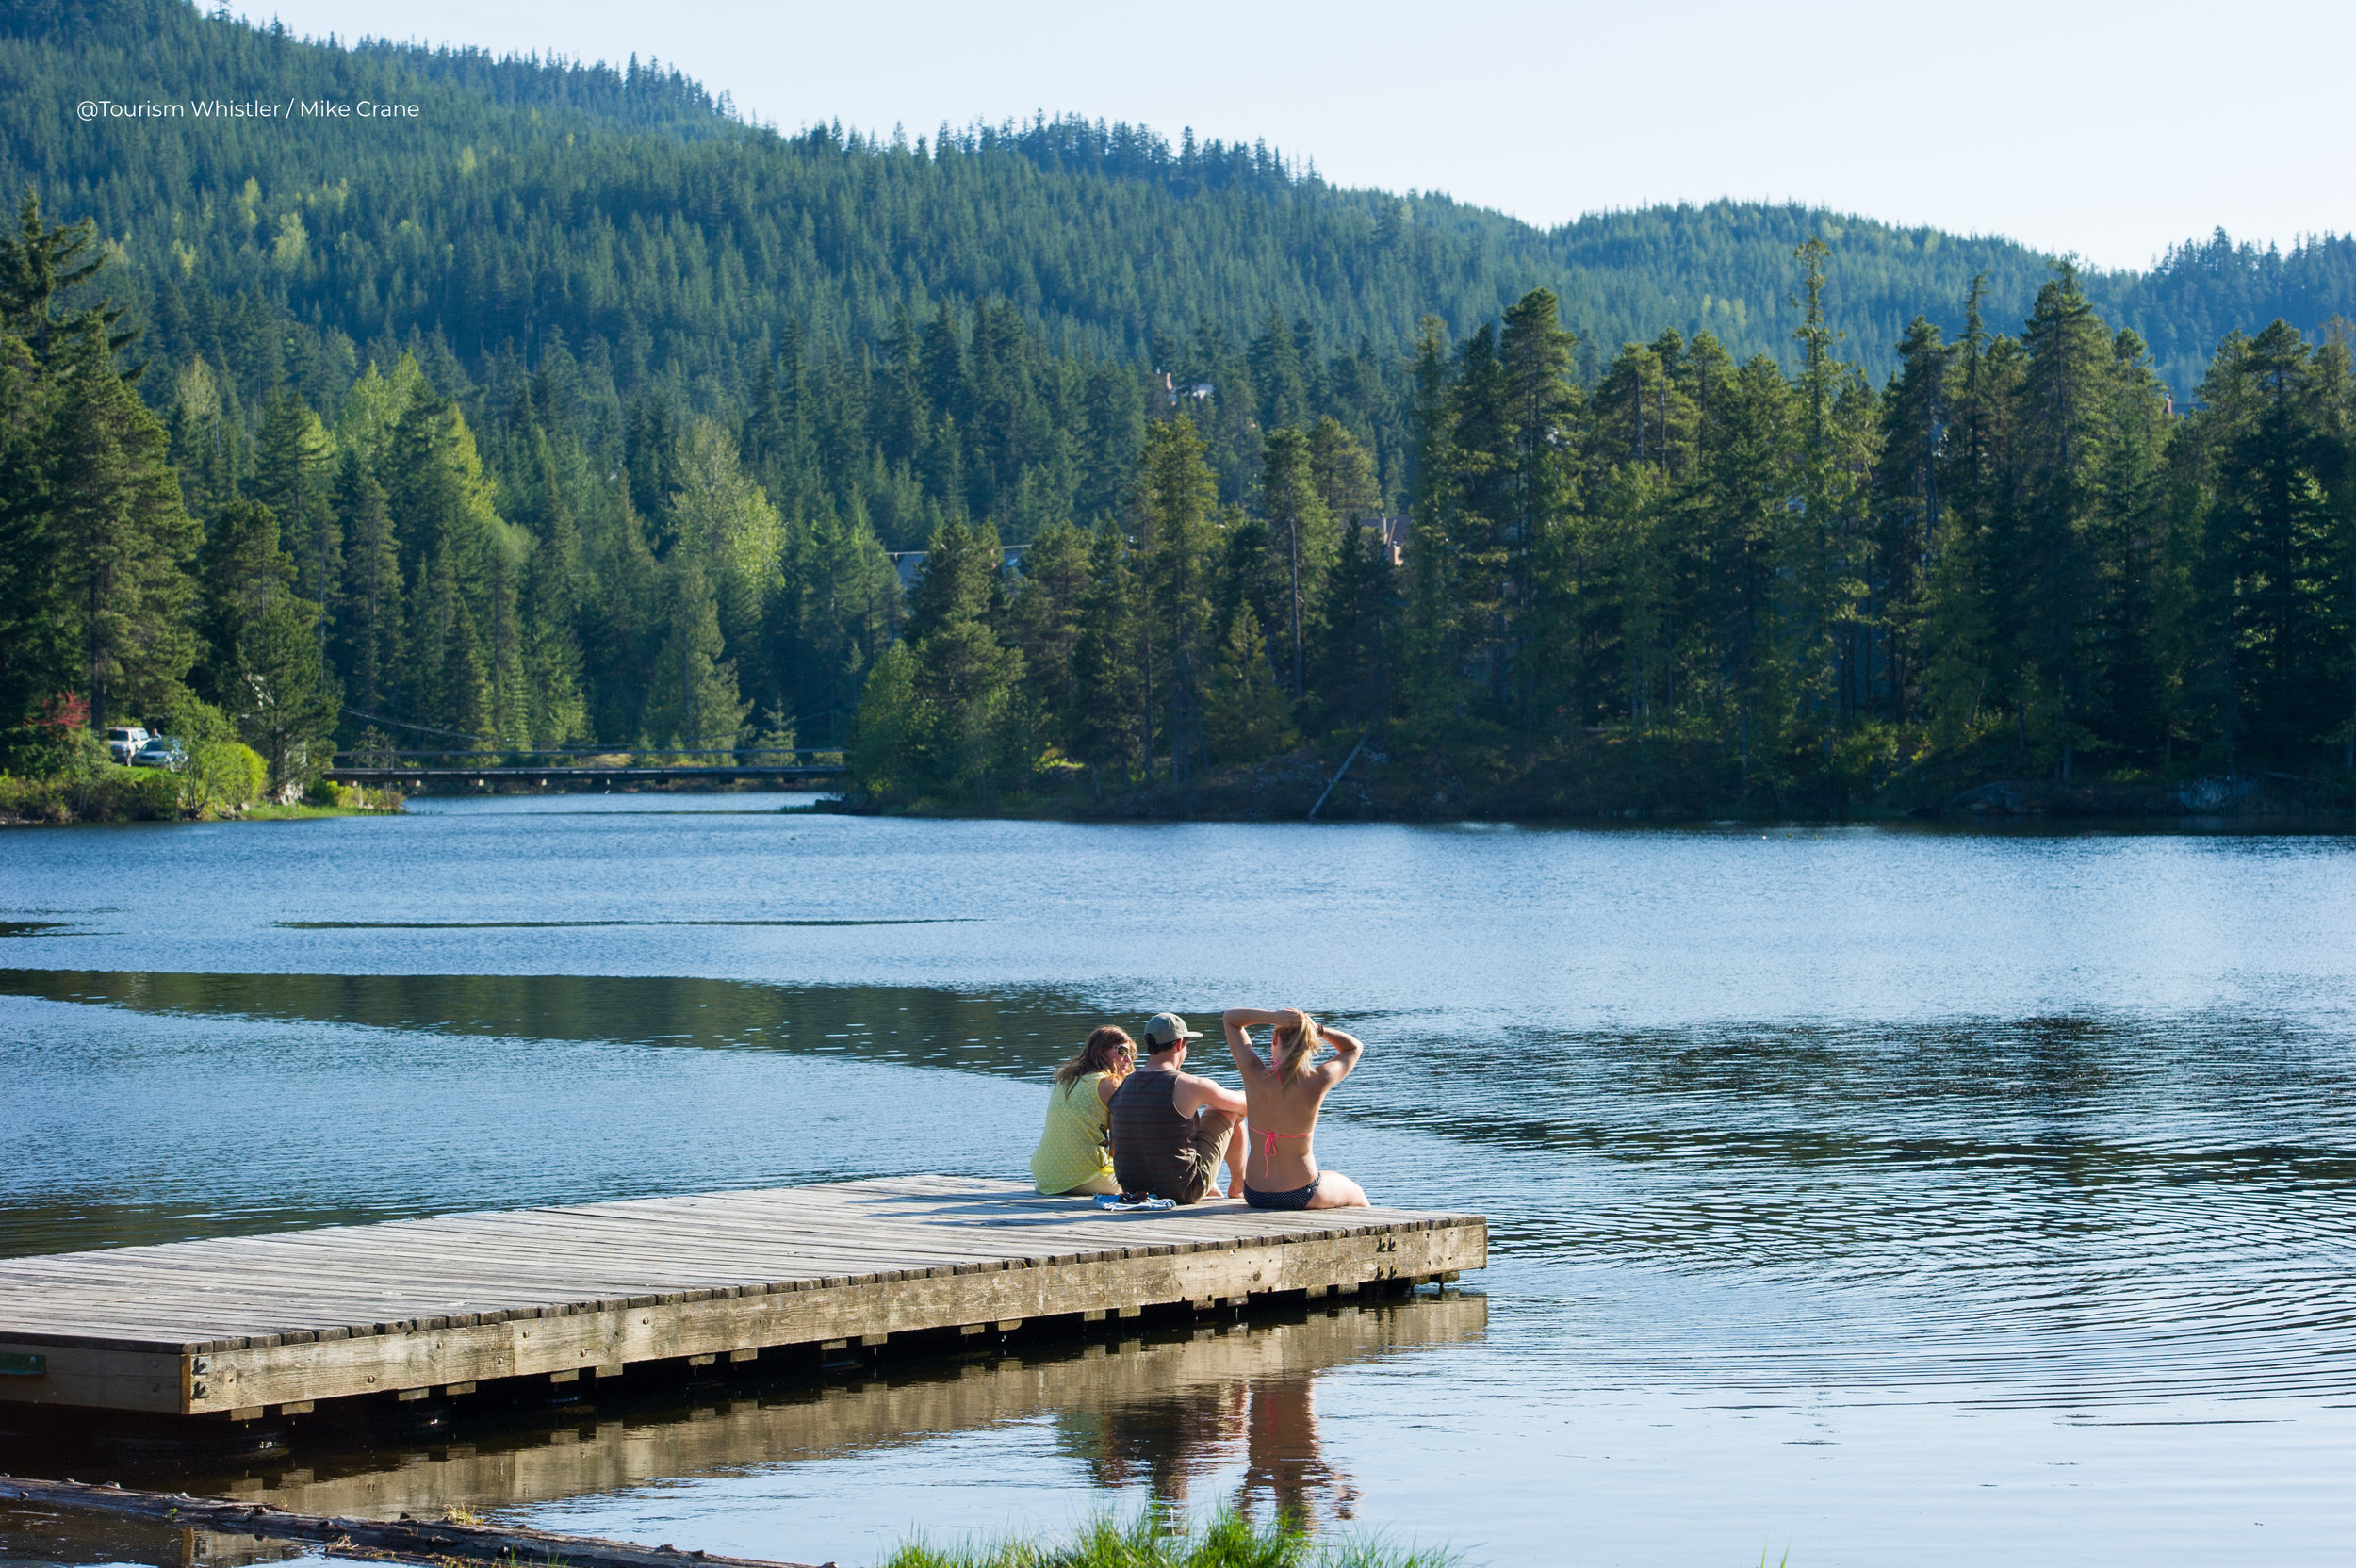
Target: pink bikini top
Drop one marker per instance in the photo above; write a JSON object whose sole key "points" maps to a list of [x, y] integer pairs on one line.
{"points": [[1267, 1146]]}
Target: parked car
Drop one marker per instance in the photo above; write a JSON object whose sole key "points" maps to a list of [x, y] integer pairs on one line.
{"points": [[161, 752], [123, 741]]}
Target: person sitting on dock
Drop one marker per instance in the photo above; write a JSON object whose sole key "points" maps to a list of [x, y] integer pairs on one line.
{"points": [[1285, 1093], [1074, 1156], [1172, 1129]]}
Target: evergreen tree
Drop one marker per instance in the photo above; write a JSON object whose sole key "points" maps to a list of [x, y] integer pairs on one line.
{"points": [[1360, 631], [693, 703], [1436, 613], [1824, 556], [294, 468], [885, 752], [1750, 475], [1541, 412], [1176, 528], [1299, 541], [2061, 527], [450, 696], [2332, 380], [41, 268], [205, 441], [551, 603], [1247, 715], [1974, 681], [369, 622], [1111, 726], [2278, 552], [505, 648], [1113, 411], [1481, 520], [728, 520], [122, 538], [653, 461], [850, 609], [975, 737], [1278, 376], [622, 617], [2141, 599], [1910, 507], [241, 573], [1044, 620], [287, 707], [1343, 473], [1631, 552], [37, 654]]}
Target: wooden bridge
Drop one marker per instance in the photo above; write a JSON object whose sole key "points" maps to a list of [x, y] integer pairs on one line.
{"points": [[247, 1326], [575, 776]]}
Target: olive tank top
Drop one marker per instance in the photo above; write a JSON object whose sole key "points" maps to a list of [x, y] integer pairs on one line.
{"points": [[1152, 1145]]}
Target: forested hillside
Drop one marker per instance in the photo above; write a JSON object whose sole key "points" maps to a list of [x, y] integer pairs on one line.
{"points": [[630, 209], [573, 412]]}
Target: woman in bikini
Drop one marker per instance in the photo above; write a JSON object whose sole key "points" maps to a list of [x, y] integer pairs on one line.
{"points": [[1285, 1093]]}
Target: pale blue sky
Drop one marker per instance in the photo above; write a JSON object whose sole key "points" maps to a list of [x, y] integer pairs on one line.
{"points": [[2111, 130]]}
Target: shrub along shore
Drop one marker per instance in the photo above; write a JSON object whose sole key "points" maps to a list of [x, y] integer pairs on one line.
{"points": [[228, 784]]}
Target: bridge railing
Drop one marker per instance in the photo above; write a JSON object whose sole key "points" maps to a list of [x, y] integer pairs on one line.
{"points": [[618, 757]]}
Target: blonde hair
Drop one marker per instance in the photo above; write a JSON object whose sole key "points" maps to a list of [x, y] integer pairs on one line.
{"points": [[1291, 1050], [1102, 1053]]}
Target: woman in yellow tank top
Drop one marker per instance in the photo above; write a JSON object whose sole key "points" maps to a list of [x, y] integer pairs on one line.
{"points": [[1075, 1154]]}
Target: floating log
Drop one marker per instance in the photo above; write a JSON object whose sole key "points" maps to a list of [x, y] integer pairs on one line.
{"points": [[425, 1540]]}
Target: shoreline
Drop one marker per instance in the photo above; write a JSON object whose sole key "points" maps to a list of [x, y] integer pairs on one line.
{"points": [[1170, 804], [254, 814], [1307, 785], [1616, 786]]}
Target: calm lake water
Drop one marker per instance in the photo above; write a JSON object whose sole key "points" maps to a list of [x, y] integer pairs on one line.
{"points": [[1878, 1195]]}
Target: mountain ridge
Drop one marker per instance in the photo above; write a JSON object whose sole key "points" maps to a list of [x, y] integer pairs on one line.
{"points": [[1104, 235]]}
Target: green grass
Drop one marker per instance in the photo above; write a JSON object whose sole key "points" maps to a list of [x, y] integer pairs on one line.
{"points": [[301, 813], [1153, 1540]]}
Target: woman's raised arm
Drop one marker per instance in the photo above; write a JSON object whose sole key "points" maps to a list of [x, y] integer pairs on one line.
{"points": [[1239, 1022], [1347, 1049]]}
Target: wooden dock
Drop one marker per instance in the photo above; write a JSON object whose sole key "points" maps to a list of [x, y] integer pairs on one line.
{"points": [[248, 1327]]}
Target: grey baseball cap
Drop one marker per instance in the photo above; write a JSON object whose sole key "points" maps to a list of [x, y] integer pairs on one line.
{"points": [[1164, 1030]]}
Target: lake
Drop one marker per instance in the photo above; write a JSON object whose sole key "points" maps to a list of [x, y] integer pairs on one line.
{"points": [[1873, 1194]]}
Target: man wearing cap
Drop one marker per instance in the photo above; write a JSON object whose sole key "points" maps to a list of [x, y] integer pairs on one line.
{"points": [[1169, 1128]]}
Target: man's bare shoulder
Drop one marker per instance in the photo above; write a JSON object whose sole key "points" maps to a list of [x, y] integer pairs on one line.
{"points": [[1205, 1091]]}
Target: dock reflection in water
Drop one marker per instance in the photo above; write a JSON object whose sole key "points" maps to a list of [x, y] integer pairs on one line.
{"points": [[1171, 1408]]}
